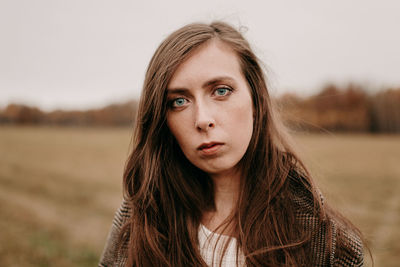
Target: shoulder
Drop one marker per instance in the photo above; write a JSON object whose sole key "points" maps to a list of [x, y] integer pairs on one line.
{"points": [[122, 214], [333, 240], [348, 246], [114, 249]]}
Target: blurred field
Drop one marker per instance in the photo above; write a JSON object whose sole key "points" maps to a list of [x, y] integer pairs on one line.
{"points": [[59, 188]]}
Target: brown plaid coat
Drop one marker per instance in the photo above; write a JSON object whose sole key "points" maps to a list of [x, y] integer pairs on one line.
{"points": [[351, 249]]}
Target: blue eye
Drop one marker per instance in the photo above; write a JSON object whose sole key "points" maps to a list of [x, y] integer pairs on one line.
{"points": [[178, 102], [222, 91]]}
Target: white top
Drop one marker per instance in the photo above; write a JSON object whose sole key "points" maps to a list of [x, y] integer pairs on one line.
{"points": [[212, 246]]}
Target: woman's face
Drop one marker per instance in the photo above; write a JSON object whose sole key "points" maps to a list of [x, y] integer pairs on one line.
{"points": [[210, 110]]}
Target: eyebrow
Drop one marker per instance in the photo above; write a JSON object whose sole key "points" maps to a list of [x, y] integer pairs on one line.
{"points": [[205, 84]]}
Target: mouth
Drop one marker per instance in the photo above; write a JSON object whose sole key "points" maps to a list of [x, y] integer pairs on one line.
{"points": [[210, 147]]}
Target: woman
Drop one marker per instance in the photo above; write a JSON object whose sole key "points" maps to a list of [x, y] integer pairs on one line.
{"points": [[212, 180]]}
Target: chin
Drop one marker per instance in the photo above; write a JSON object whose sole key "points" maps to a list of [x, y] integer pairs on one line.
{"points": [[220, 169]]}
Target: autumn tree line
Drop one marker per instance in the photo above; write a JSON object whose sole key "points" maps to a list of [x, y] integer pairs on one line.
{"points": [[111, 115], [349, 109]]}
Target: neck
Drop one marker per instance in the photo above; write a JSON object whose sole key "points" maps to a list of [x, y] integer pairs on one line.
{"points": [[226, 194], [226, 190]]}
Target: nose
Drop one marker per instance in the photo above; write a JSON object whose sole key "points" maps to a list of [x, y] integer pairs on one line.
{"points": [[204, 120]]}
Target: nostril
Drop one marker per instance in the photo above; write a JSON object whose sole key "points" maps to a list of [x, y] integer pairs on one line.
{"points": [[205, 126]]}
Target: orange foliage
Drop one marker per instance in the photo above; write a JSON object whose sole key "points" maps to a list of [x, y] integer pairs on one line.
{"points": [[21, 114], [112, 115], [349, 109]]}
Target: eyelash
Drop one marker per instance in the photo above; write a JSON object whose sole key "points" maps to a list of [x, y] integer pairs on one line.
{"points": [[229, 92], [171, 102]]}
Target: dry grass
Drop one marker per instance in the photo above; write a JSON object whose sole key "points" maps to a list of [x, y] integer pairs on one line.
{"points": [[360, 176], [59, 188]]}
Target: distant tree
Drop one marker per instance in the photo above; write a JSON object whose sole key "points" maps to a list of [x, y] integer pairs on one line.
{"points": [[111, 115], [332, 109], [385, 111], [22, 114]]}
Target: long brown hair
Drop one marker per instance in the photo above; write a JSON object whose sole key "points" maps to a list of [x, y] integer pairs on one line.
{"points": [[168, 194]]}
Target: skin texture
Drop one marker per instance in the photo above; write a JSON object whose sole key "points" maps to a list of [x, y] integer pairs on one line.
{"points": [[209, 101]]}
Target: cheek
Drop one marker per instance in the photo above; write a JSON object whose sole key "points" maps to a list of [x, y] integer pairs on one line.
{"points": [[245, 125], [241, 124], [178, 128], [242, 116]]}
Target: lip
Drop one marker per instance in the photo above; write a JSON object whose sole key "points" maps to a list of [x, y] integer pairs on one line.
{"points": [[210, 147]]}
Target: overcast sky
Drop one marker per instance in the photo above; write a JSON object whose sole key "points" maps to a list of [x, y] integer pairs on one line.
{"points": [[87, 53]]}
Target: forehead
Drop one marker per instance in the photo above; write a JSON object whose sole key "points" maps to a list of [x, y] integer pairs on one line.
{"points": [[212, 59]]}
